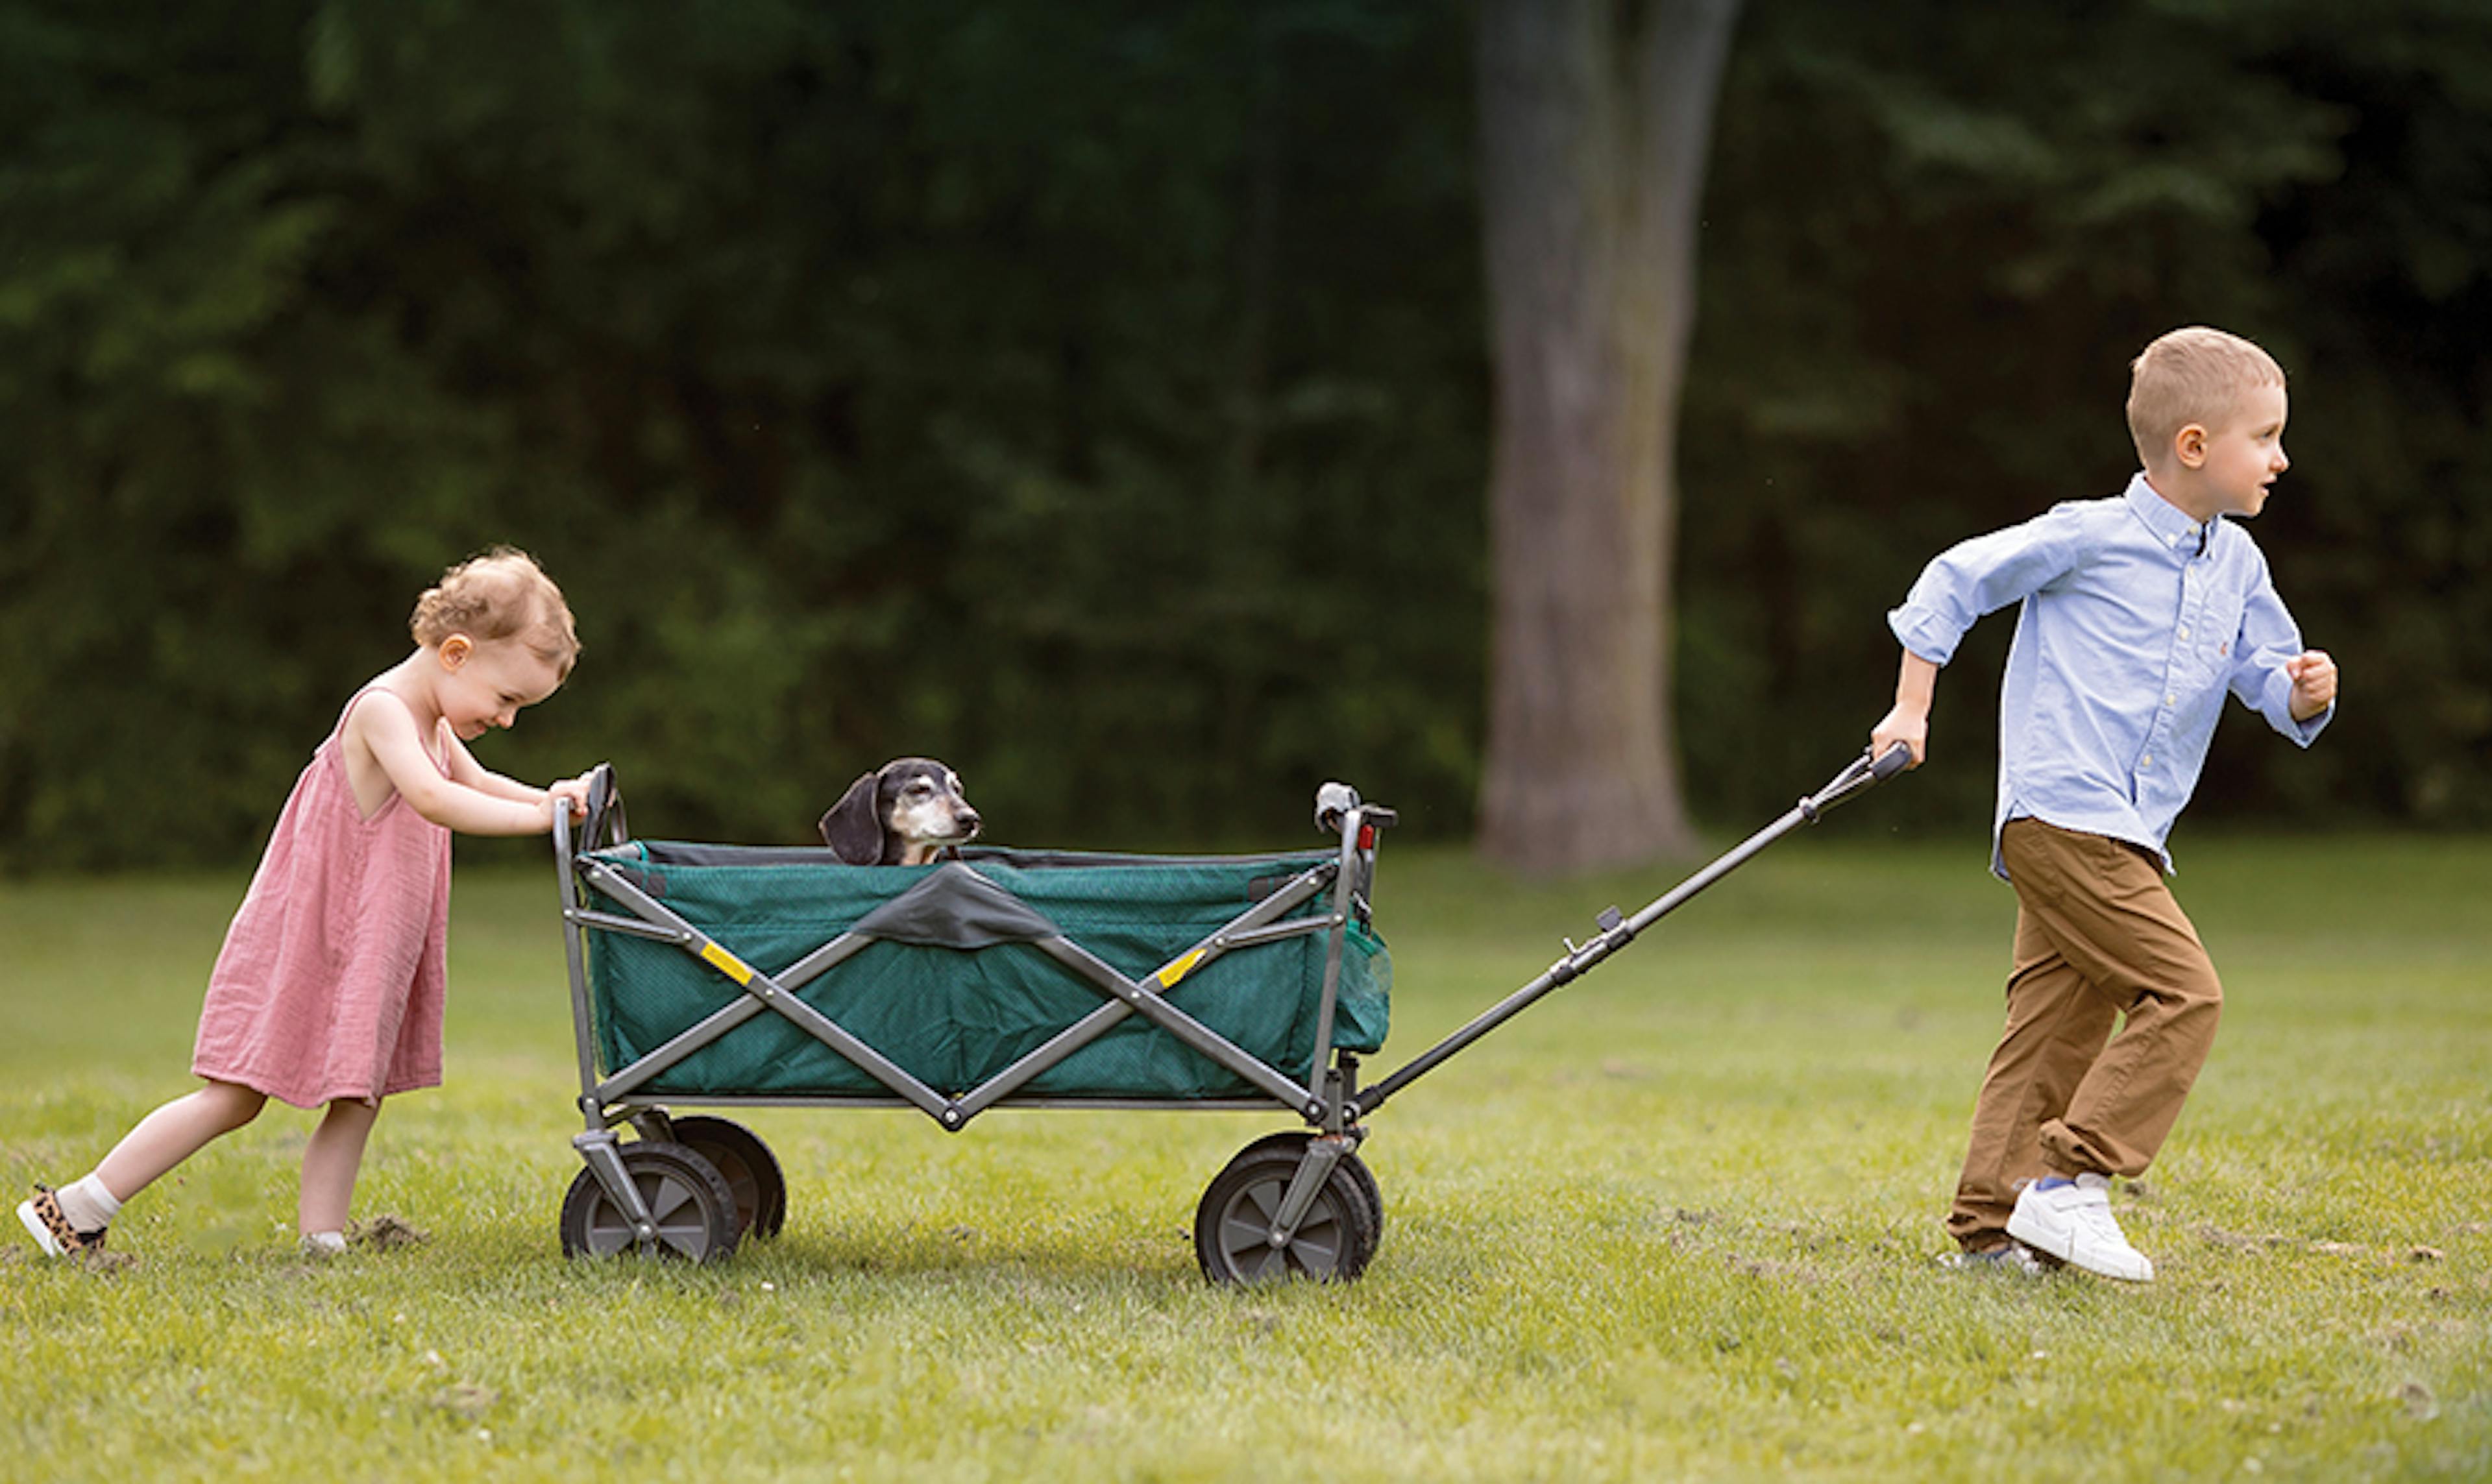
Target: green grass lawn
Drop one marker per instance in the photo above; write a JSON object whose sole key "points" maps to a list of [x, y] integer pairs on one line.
{"points": [[1676, 1221]]}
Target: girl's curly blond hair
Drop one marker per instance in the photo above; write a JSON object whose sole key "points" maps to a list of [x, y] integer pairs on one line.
{"points": [[501, 594]]}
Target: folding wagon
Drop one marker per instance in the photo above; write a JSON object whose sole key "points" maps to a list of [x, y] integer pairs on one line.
{"points": [[733, 977]]}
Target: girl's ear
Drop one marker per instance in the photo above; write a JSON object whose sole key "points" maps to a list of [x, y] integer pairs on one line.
{"points": [[456, 651]]}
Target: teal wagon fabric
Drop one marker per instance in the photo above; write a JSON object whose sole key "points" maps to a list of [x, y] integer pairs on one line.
{"points": [[953, 989]]}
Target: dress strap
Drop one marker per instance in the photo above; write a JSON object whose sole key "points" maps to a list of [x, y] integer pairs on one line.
{"points": [[348, 709], [432, 748]]}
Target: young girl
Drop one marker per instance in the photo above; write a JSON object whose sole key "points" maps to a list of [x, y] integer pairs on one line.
{"points": [[329, 988]]}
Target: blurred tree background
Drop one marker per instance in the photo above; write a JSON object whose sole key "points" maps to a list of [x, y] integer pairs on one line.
{"points": [[1096, 396]]}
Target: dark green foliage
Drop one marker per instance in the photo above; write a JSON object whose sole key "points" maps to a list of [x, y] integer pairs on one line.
{"points": [[1094, 394], [1090, 396], [1938, 233]]}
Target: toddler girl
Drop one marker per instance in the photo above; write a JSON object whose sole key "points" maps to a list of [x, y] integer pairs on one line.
{"points": [[329, 988]]}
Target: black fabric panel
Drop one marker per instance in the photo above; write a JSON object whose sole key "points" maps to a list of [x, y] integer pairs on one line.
{"points": [[956, 907]]}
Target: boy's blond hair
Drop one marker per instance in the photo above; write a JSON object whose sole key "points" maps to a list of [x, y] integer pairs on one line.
{"points": [[502, 594], [2192, 375]]}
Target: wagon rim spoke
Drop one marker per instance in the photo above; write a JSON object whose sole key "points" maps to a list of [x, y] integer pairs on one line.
{"points": [[667, 1197], [1318, 1243], [1242, 1237]]}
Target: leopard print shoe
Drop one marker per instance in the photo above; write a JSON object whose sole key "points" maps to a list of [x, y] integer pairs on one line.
{"points": [[51, 1230]]}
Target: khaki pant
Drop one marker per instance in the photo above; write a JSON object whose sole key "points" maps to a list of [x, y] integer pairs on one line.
{"points": [[2097, 937]]}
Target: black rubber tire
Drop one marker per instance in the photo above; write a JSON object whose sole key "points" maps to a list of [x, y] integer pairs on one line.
{"points": [[1333, 1244], [689, 1198], [1296, 1140], [751, 1171]]}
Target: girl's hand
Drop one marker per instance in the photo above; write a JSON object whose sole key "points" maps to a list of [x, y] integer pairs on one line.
{"points": [[570, 790], [2314, 683]]}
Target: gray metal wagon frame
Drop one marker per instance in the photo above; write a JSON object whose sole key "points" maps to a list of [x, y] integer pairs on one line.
{"points": [[1296, 1203]]}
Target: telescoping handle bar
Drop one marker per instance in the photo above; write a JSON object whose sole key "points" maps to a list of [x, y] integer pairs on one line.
{"points": [[1617, 930]]}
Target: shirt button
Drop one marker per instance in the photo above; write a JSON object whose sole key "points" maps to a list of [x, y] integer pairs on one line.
{"points": [[2185, 631], [2146, 761], [2170, 700]]}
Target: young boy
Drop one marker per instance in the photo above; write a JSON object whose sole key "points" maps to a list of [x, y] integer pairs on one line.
{"points": [[2140, 611]]}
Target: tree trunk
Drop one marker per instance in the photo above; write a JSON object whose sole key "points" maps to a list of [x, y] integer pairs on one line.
{"points": [[1595, 116]]}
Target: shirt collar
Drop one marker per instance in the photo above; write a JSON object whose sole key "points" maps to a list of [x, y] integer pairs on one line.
{"points": [[2180, 535]]}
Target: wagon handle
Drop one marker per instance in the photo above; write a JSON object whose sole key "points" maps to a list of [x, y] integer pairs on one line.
{"points": [[1866, 771], [605, 824], [1335, 800], [1618, 929]]}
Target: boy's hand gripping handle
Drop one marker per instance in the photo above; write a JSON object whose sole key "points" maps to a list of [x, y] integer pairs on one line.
{"points": [[1864, 772]]}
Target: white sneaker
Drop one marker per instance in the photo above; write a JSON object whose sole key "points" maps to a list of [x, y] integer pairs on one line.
{"points": [[2072, 1220], [51, 1230]]}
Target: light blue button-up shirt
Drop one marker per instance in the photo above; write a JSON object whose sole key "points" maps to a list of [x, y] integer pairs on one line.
{"points": [[2136, 621]]}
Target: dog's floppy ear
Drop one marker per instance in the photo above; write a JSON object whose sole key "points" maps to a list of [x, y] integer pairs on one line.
{"points": [[853, 827]]}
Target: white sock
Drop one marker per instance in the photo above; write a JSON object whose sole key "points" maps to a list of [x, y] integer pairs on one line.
{"points": [[87, 1204], [325, 1243]]}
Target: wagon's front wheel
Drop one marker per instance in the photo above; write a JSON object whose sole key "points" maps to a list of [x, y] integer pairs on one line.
{"points": [[1233, 1226], [1295, 1141], [749, 1169], [686, 1198]]}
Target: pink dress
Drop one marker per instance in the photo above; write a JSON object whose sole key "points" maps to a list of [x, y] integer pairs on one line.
{"points": [[331, 978]]}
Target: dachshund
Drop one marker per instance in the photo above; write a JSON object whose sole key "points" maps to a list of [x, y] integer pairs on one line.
{"points": [[905, 812]]}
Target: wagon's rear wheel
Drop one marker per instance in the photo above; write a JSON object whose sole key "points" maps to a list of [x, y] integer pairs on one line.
{"points": [[686, 1198], [749, 1169], [1233, 1226]]}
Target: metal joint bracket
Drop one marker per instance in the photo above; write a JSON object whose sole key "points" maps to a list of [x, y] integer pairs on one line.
{"points": [[1323, 1153], [1615, 933], [1339, 1096], [603, 1153]]}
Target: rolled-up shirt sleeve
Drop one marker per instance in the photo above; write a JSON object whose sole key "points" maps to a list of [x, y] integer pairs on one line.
{"points": [[1982, 576]]}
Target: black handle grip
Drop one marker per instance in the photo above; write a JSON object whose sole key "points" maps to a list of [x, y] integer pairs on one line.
{"points": [[1864, 773], [605, 824]]}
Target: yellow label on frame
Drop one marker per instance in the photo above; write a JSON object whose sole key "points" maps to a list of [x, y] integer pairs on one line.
{"points": [[726, 963], [1177, 971]]}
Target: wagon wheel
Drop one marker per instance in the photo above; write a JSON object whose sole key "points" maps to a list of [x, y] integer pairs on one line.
{"points": [[1233, 1226], [687, 1197], [751, 1171], [1296, 1140]]}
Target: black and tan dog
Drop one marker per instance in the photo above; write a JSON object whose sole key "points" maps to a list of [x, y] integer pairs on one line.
{"points": [[905, 812]]}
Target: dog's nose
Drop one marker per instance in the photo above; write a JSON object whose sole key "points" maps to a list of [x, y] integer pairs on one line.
{"points": [[970, 820]]}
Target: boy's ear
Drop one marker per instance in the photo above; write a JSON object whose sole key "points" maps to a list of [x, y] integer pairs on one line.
{"points": [[2189, 445]]}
